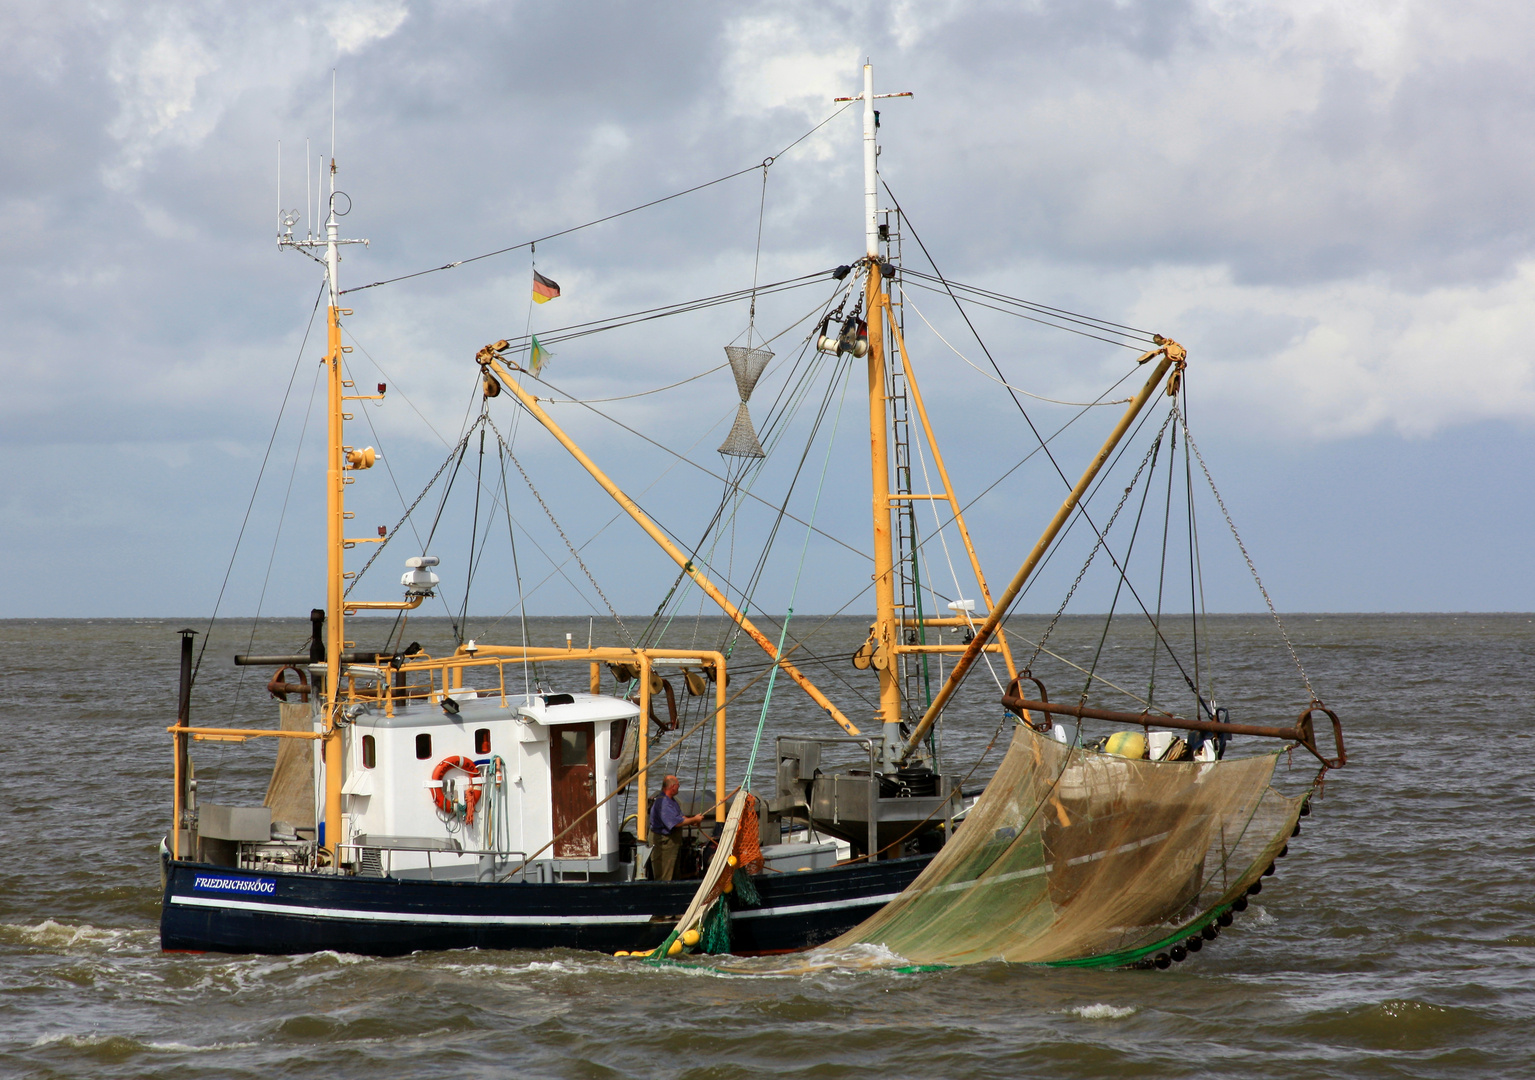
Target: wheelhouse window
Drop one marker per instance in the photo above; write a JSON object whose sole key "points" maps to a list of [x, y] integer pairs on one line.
{"points": [[424, 745], [369, 752], [482, 740], [572, 747], [616, 738]]}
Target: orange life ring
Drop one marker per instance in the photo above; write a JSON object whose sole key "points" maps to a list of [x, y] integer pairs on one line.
{"points": [[439, 794]]}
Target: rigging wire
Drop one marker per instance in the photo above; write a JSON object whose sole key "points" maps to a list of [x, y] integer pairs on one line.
{"points": [[1030, 318], [798, 387], [1189, 443], [261, 472], [558, 567], [640, 394], [764, 164], [1108, 621], [815, 660], [1092, 322], [511, 536], [1167, 524], [1188, 489], [282, 517], [392, 382], [1082, 508], [553, 521], [906, 299], [783, 633], [818, 307], [520, 343], [689, 461], [1200, 569], [474, 528], [455, 453], [388, 468]]}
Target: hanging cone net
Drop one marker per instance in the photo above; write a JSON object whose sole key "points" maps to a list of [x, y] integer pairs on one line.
{"points": [[1076, 857], [747, 365], [742, 440]]}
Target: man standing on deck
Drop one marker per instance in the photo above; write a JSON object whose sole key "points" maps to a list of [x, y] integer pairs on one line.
{"points": [[666, 819]]}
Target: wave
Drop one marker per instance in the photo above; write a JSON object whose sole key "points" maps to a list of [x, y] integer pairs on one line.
{"points": [[56, 935], [1102, 1011]]}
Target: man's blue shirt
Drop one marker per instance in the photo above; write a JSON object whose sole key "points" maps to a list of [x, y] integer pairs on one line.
{"points": [[665, 815]]}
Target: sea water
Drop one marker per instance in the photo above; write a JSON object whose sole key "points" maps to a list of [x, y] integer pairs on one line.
{"points": [[1396, 940]]}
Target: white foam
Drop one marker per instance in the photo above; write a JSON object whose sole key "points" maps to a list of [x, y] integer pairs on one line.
{"points": [[1257, 915], [59, 935], [852, 960], [83, 1042], [1100, 1011]]}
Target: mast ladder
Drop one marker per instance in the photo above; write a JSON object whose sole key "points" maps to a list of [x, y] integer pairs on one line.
{"points": [[912, 672]]}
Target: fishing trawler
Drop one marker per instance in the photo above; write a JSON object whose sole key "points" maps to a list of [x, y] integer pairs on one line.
{"points": [[446, 801]]}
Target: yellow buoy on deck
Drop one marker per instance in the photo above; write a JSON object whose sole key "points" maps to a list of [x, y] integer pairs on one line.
{"points": [[1127, 744], [675, 950], [690, 938]]}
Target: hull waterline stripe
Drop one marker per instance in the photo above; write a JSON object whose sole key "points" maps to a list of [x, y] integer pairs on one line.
{"points": [[405, 916], [506, 920], [828, 905]]}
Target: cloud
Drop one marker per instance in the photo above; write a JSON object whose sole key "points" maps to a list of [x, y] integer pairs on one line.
{"points": [[355, 26], [1204, 164], [156, 81], [1342, 359], [1326, 203]]}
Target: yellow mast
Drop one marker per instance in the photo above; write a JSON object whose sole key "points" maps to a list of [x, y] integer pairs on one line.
{"points": [[335, 558], [885, 629], [340, 459]]}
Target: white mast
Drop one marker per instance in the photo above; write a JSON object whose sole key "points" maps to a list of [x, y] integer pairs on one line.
{"points": [[870, 159], [332, 228], [870, 166]]}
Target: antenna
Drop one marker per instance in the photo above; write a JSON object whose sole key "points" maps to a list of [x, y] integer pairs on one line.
{"points": [[321, 241], [285, 218]]}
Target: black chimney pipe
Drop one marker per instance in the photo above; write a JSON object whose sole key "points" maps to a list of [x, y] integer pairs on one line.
{"points": [[316, 644], [316, 635], [184, 717]]}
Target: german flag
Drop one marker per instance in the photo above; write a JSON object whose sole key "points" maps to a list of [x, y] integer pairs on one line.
{"points": [[544, 290]]}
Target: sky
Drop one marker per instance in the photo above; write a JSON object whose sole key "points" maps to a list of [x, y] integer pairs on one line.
{"points": [[1326, 204]]}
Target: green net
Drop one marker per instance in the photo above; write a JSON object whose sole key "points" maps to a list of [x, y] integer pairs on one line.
{"points": [[745, 889], [714, 933], [1077, 857]]}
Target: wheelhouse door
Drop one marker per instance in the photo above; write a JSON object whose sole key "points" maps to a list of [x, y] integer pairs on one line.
{"points": [[573, 771]]}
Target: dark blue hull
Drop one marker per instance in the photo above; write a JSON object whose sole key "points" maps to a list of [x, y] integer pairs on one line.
{"points": [[213, 909]]}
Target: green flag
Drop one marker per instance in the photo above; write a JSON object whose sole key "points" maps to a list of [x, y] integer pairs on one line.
{"points": [[536, 356]]}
